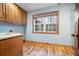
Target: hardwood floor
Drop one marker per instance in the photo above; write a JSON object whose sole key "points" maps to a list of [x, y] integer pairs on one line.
{"points": [[43, 49]]}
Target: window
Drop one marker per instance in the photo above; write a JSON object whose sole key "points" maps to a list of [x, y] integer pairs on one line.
{"points": [[45, 23]]}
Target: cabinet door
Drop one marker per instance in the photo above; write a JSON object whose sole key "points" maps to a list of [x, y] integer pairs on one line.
{"points": [[24, 18], [2, 12], [7, 12], [11, 46], [18, 15], [10, 13], [15, 46], [15, 14]]}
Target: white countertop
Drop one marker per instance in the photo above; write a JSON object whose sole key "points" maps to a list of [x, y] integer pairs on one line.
{"points": [[9, 35]]}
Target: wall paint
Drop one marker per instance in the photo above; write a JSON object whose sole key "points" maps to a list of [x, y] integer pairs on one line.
{"points": [[66, 23], [5, 28]]}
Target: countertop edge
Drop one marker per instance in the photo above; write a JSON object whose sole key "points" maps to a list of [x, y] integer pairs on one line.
{"points": [[10, 36]]}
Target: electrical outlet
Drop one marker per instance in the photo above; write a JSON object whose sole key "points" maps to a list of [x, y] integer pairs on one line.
{"points": [[10, 30]]}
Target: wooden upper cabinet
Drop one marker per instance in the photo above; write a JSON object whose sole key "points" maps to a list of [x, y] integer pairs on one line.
{"points": [[18, 15], [12, 13], [2, 12], [24, 17], [7, 12]]}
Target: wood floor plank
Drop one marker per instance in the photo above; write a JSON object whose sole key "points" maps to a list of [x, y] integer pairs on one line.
{"points": [[45, 49]]}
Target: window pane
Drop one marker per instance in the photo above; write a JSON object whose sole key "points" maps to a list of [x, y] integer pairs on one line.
{"points": [[50, 27], [38, 29], [50, 19], [54, 25], [46, 20], [38, 20], [55, 19], [54, 29], [39, 25]]}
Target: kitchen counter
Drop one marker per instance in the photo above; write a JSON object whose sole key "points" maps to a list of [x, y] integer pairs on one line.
{"points": [[9, 35], [11, 44]]}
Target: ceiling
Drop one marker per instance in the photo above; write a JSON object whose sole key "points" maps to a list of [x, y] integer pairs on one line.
{"points": [[34, 6]]}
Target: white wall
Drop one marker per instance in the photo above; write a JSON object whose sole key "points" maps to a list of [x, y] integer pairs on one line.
{"points": [[66, 23]]}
